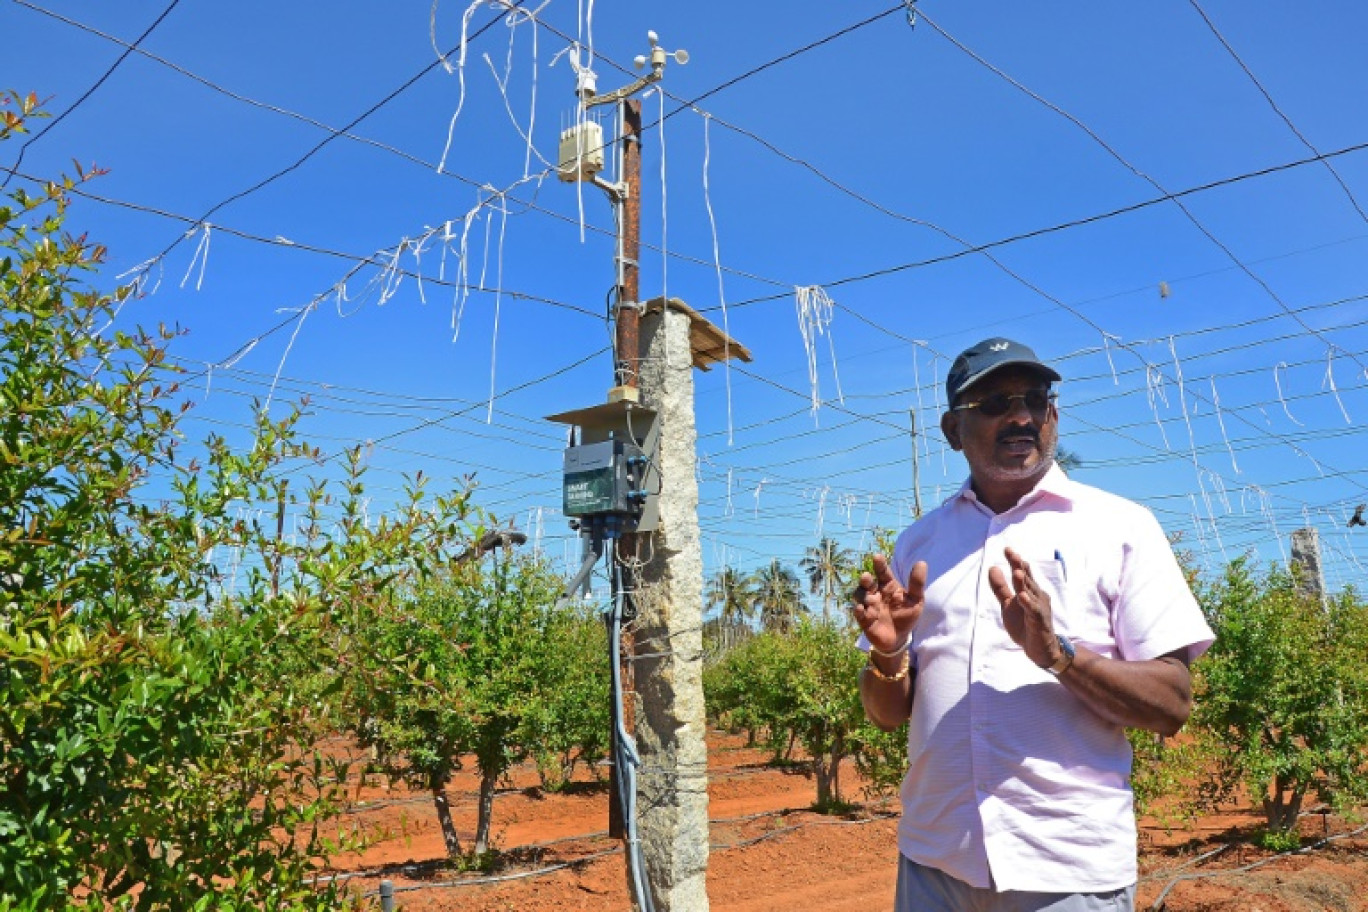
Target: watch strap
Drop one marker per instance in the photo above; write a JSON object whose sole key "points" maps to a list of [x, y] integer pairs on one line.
{"points": [[1065, 659]]}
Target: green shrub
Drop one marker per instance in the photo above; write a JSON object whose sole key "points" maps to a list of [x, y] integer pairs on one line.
{"points": [[803, 687], [1282, 697], [157, 722]]}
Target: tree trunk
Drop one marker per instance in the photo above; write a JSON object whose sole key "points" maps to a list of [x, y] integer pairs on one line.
{"points": [[827, 767], [487, 783], [453, 842], [1282, 809], [823, 771], [567, 764], [837, 754]]}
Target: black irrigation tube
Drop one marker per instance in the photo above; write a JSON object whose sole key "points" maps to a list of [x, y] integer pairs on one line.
{"points": [[1158, 904], [521, 875]]}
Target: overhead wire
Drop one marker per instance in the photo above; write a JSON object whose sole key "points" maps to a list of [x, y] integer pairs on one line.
{"points": [[1268, 97], [356, 137], [272, 178], [1323, 158], [516, 388], [733, 81], [1163, 190], [782, 58], [1111, 150], [1333, 472], [1068, 224], [358, 260], [19, 158]]}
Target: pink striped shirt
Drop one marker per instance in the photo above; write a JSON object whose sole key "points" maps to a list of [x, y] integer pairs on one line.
{"points": [[1012, 782]]}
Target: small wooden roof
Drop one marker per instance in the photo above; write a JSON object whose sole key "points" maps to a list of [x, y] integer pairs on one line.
{"points": [[708, 343]]}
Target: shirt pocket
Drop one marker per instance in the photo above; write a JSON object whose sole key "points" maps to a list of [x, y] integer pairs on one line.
{"points": [[1080, 614]]}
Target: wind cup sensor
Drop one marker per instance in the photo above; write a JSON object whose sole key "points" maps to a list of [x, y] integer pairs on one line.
{"points": [[581, 145]]}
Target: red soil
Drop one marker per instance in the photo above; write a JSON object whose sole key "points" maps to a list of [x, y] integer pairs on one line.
{"points": [[771, 853]]}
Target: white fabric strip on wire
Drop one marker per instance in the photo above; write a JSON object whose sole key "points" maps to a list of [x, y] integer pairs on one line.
{"points": [[815, 313]]}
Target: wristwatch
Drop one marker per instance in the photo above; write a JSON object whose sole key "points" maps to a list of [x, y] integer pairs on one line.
{"points": [[1065, 660]]}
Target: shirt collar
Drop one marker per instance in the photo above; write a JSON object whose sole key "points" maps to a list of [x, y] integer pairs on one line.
{"points": [[1054, 483]]}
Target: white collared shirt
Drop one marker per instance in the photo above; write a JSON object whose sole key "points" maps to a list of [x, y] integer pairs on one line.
{"points": [[1012, 782]]}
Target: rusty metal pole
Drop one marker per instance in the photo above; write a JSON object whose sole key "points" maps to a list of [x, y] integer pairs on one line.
{"points": [[629, 300], [628, 336]]}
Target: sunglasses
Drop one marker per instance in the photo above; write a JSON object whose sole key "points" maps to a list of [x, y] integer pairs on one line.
{"points": [[999, 404]]}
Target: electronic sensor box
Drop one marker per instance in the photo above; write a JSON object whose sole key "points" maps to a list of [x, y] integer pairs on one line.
{"points": [[612, 477], [604, 478]]}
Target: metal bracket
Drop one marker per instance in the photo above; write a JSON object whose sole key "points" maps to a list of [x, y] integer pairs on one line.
{"points": [[626, 91], [620, 192]]}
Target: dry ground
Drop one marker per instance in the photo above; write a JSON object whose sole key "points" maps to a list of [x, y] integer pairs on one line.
{"points": [[771, 853]]}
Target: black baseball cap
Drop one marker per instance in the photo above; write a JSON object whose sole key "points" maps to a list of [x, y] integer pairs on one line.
{"points": [[978, 361]]}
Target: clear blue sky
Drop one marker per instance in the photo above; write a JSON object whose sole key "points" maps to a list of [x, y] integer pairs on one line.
{"points": [[867, 165]]}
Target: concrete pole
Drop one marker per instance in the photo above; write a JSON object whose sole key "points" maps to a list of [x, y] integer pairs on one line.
{"points": [[672, 788], [1306, 559]]}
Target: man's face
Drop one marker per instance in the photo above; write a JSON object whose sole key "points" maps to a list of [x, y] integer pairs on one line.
{"points": [[1013, 450]]}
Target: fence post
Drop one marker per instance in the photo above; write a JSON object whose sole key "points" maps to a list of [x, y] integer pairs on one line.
{"points": [[386, 896]]}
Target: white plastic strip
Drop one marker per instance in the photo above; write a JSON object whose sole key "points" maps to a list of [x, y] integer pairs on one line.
{"points": [[498, 301], [1106, 348], [1330, 379], [1154, 391], [717, 266], [201, 254], [821, 510], [1216, 400], [1201, 536], [664, 205], [299, 324], [815, 312], [460, 75], [1278, 383]]}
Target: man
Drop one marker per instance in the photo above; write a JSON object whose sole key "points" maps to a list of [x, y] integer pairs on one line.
{"points": [[1021, 627]]}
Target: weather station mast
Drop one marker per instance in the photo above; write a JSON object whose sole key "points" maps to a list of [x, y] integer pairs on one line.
{"points": [[630, 489], [581, 159]]}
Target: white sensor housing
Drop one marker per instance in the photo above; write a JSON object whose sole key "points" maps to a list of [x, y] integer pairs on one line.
{"points": [[581, 152]]}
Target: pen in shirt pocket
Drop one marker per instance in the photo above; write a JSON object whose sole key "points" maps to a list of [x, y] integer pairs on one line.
{"points": [[1063, 567]]}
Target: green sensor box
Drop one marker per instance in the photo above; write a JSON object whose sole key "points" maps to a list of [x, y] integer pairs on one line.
{"points": [[603, 478]]}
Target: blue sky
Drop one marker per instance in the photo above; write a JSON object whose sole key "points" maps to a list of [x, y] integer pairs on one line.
{"points": [[1139, 199]]}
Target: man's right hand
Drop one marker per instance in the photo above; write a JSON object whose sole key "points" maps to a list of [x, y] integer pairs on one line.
{"points": [[886, 610]]}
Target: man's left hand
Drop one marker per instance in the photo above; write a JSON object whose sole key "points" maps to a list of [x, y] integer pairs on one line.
{"points": [[1025, 610]]}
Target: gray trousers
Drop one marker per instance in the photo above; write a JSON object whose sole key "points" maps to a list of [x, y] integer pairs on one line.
{"points": [[923, 889]]}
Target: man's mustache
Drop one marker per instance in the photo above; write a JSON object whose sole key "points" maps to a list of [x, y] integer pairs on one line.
{"points": [[1017, 433]]}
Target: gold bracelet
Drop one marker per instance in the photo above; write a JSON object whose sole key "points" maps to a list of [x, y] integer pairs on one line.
{"points": [[890, 655], [893, 678]]}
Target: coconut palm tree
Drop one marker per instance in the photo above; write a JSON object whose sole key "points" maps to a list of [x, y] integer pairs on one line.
{"points": [[779, 596], [828, 569], [732, 592]]}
